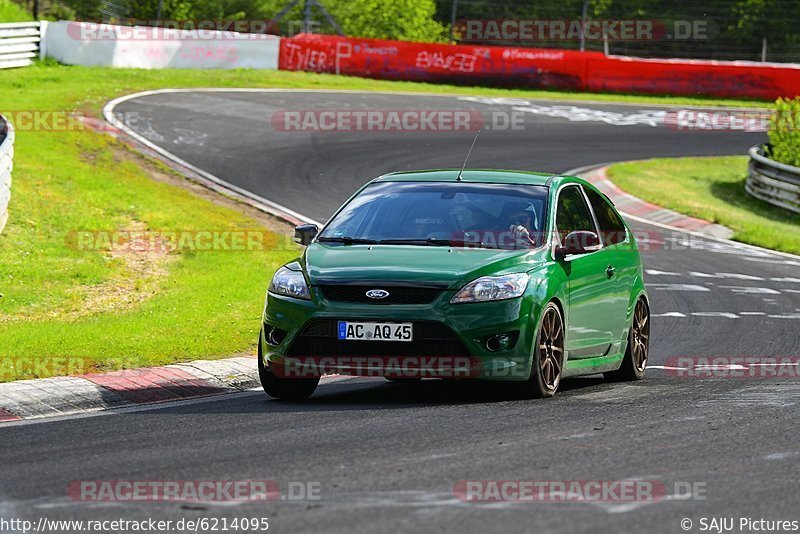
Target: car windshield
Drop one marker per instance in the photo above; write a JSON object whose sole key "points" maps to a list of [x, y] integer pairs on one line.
{"points": [[506, 216]]}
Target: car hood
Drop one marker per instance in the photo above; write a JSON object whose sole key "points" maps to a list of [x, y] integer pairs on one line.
{"points": [[452, 267]]}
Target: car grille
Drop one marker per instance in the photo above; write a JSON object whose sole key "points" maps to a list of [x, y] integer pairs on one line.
{"points": [[318, 338], [397, 294]]}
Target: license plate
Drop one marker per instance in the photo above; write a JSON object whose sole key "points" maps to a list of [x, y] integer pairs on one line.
{"points": [[350, 331]]}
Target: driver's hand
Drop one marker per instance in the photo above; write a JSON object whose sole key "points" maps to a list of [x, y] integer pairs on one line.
{"points": [[521, 235]]}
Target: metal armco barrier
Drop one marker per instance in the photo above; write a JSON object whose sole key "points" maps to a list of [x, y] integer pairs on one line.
{"points": [[773, 182], [6, 165], [19, 43]]}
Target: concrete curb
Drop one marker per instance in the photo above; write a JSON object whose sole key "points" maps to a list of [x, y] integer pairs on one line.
{"points": [[629, 204], [47, 397]]}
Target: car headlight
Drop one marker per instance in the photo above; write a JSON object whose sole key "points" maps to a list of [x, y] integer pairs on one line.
{"points": [[289, 283], [489, 288]]}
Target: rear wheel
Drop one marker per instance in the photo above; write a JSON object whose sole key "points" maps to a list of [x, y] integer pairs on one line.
{"points": [[282, 387], [634, 363]]}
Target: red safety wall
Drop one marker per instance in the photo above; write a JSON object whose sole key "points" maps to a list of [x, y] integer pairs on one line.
{"points": [[535, 68], [733, 79], [399, 60]]}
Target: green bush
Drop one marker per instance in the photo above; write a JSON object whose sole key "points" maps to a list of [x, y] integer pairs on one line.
{"points": [[784, 134], [11, 12], [407, 20]]}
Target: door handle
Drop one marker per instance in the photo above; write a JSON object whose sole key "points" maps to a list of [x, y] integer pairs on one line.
{"points": [[610, 271]]}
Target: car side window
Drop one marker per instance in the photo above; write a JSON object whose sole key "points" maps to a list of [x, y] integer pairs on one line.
{"points": [[612, 229], [572, 213]]}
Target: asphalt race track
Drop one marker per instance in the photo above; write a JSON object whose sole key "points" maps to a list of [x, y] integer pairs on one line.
{"points": [[387, 456]]}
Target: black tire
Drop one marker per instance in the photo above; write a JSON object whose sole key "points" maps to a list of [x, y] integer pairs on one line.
{"points": [[284, 388], [634, 364], [547, 360]]}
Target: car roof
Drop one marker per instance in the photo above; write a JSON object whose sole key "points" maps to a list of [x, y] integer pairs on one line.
{"points": [[493, 176]]}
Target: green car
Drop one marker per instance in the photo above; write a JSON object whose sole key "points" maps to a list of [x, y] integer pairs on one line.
{"points": [[481, 274]]}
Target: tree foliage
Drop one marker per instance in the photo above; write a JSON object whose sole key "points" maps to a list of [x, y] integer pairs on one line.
{"points": [[412, 20], [737, 27], [784, 132]]}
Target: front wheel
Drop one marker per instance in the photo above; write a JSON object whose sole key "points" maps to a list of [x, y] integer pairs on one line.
{"points": [[284, 388], [635, 361], [547, 361]]}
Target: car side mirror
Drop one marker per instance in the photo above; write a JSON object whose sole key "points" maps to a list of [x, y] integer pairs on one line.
{"points": [[305, 233], [579, 242]]}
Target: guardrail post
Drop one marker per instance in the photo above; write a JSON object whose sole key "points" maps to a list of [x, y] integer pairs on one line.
{"points": [[6, 166], [42, 39]]}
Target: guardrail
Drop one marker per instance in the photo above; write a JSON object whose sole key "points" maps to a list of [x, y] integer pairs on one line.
{"points": [[19, 43], [773, 182], [6, 165]]}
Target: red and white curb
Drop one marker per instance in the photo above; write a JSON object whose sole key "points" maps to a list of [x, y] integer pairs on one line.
{"points": [[632, 205], [47, 397]]}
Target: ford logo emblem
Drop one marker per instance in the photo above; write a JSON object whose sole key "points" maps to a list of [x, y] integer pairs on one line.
{"points": [[377, 293]]}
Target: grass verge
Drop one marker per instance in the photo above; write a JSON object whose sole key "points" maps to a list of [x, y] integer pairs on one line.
{"points": [[89, 88], [102, 309], [711, 189]]}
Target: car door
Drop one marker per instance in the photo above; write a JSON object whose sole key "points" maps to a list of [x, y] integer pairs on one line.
{"points": [[590, 306], [623, 261]]}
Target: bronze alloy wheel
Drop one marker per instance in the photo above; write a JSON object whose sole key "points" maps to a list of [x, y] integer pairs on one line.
{"points": [[640, 336], [550, 350], [634, 361]]}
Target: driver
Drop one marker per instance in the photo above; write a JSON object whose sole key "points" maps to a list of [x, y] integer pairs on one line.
{"points": [[523, 222]]}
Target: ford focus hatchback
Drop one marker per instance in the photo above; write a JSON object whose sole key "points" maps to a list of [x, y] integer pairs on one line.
{"points": [[490, 275]]}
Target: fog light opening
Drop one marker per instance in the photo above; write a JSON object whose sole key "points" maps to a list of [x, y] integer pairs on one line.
{"points": [[275, 336], [498, 342]]}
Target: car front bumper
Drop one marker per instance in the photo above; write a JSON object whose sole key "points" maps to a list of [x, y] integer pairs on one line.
{"points": [[449, 339]]}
